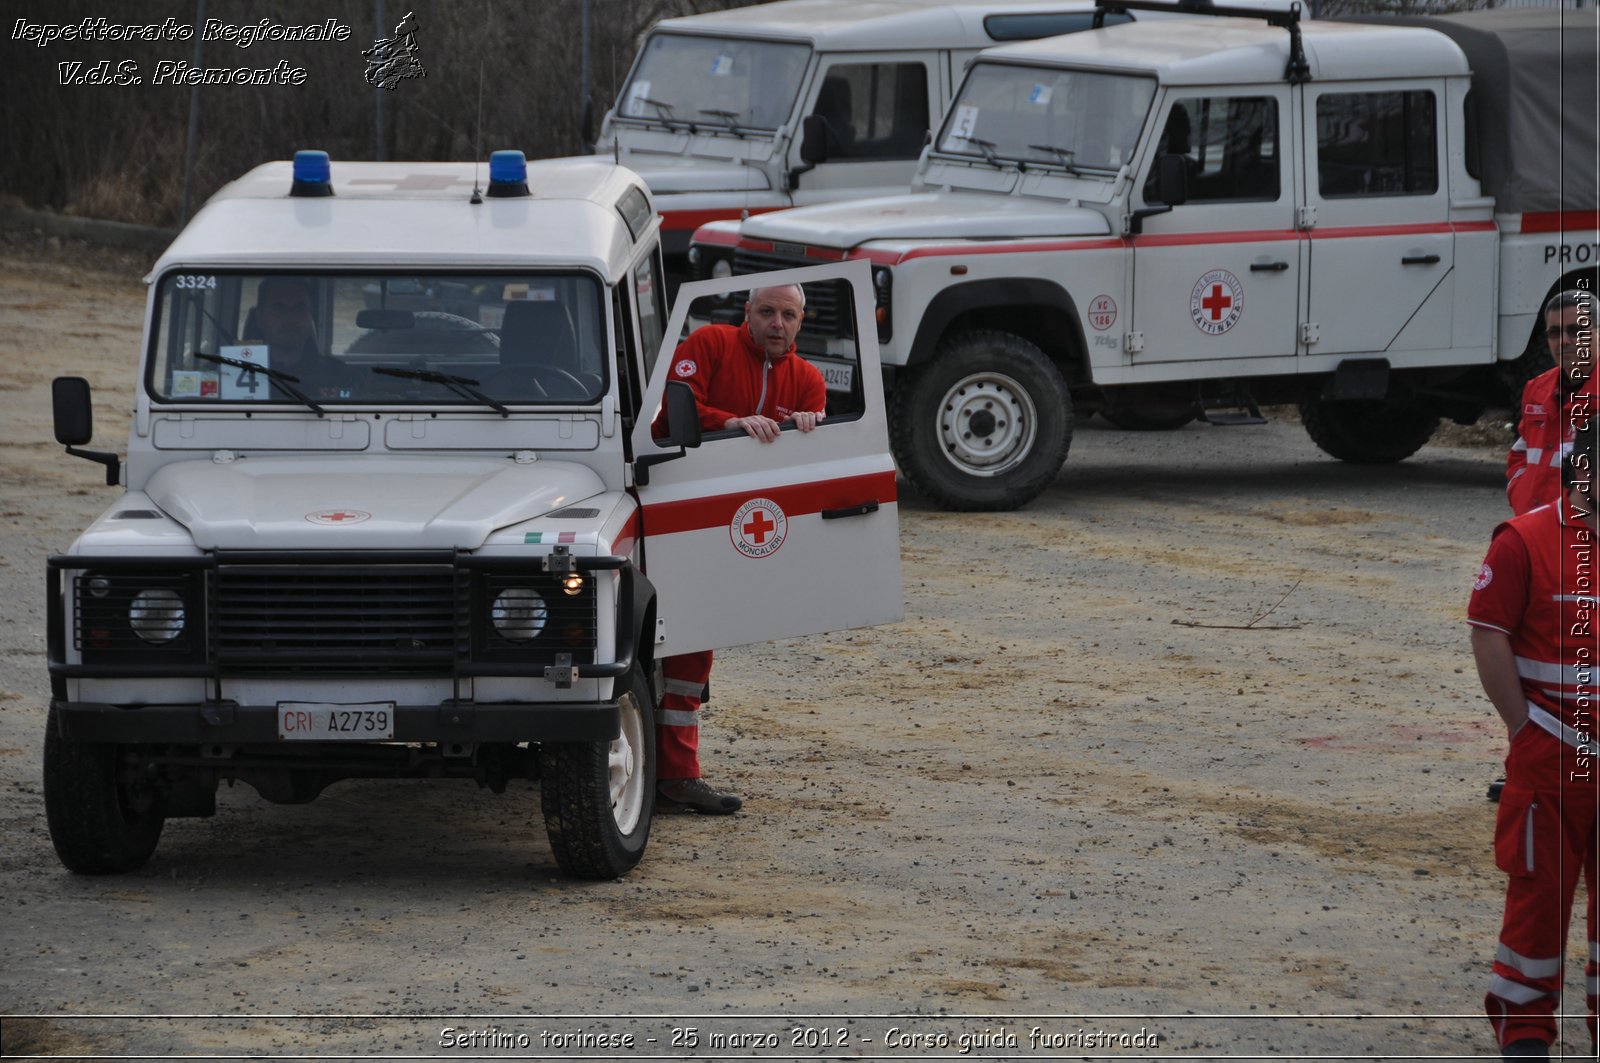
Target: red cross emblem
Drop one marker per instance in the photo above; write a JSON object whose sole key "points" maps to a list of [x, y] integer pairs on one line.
{"points": [[337, 517], [758, 528], [1217, 302]]}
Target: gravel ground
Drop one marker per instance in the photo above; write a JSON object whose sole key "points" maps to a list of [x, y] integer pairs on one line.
{"points": [[1192, 746]]}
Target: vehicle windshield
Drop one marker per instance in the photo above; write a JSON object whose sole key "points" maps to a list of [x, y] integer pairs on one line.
{"points": [[1074, 120], [426, 339], [714, 82]]}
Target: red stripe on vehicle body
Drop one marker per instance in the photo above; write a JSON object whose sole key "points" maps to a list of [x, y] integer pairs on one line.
{"points": [[1556, 221], [1110, 243], [796, 500], [677, 220]]}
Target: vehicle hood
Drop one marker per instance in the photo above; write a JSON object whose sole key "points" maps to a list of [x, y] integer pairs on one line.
{"points": [[668, 174], [926, 216], [318, 503], [666, 177]]}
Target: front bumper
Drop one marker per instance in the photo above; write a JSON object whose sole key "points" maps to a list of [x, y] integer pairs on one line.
{"points": [[226, 722]]}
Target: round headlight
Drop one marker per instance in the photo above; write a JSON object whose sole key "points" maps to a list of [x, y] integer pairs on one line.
{"points": [[519, 614], [156, 615], [721, 268]]}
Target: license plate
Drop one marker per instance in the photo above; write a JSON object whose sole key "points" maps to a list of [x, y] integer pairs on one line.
{"points": [[838, 376], [316, 721]]}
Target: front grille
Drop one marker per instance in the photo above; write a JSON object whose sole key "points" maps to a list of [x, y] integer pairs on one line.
{"points": [[308, 618], [827, 302], [430, 614]]}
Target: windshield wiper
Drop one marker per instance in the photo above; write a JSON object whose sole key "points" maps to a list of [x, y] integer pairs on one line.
{"points": [[1064, 154], [461, 385], [277, 376], [985, 146], [731, 117]]}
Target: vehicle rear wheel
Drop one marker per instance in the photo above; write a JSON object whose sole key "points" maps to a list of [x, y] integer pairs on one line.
{"points": [[105, 818], [985, 425], [1367, 433], [598, 796]]}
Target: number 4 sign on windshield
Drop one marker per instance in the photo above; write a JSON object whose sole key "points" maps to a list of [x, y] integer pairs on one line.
{"points": [[243, 383]]}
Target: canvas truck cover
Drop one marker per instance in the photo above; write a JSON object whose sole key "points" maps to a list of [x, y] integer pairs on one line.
{"points": [[1533, 101]]}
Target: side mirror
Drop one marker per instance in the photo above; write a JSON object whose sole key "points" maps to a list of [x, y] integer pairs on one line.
{"points": [[1172, 179], [683, 415], [74, 423], [814, 139], [74, 412]]}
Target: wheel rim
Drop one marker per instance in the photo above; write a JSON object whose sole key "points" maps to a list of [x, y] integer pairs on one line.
{"points": [[987, 424], [624, 774]]}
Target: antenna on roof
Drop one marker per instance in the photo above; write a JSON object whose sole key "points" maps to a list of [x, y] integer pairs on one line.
{"points": [[477, 141]]}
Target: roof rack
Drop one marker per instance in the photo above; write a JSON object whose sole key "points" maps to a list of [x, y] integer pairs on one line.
{"points": [[1297, 70]]}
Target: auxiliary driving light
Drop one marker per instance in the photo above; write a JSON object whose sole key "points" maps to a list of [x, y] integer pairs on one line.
{"points": [[519, 614], [156, 615]]}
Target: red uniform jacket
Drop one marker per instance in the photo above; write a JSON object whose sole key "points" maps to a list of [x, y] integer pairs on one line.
{"points": [[731, 377], [1544, 435], [1537, 585]]}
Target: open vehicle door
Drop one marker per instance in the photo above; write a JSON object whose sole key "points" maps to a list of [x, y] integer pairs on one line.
{"points": [[748, 541]]}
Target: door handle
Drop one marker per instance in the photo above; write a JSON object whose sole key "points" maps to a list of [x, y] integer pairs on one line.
{"points": [[1268, 267], [1419, 260], [860, 510]]}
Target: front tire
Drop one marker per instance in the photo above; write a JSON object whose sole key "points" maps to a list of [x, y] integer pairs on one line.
{"points": [[985, 425], [1367, 433], [598, 796], [105, 818]]}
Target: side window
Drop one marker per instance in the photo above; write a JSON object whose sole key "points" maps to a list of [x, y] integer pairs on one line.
{"points": [[1377, 144], [652, 312], [1231, 145], [874, 110], [629, 385]]}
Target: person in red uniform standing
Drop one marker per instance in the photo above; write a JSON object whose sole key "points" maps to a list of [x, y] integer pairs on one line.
{"points": [[1554, 404], [744, 377], [1536, 643]]}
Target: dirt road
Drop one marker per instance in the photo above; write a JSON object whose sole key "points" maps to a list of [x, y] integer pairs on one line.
{"points": [[1075, 791]]}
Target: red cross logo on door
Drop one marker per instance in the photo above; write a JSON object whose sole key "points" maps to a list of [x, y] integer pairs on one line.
{"points": [[758, 528], [1217, 302]]}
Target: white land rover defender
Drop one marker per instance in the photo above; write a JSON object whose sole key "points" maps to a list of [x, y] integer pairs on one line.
{"points": [[1163, 219], [396, 507], [801, 101]]}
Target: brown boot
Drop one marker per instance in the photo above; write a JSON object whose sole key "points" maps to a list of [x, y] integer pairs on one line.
{"points": [[694, 795]]}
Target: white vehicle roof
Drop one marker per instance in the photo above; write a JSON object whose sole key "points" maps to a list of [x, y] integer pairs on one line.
{"points": [[869, 25], [417, 214], [1228, 50]]}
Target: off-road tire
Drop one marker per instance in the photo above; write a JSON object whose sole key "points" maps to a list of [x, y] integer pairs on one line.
{"points": [[1014, 395], [103, 819], [598, 797], [1367, 433]]}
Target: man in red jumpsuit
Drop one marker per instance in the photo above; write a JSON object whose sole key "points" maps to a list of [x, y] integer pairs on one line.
{"points": [[1536, 643], [745, 377], [1554, 404]]}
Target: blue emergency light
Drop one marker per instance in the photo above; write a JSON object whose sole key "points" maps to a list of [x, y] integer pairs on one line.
{"points": [[312, 174], [508, 174]]}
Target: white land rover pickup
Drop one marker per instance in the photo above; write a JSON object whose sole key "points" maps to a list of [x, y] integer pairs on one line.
{"points": [[1167, 218], [802, 101], [394, 508]]}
